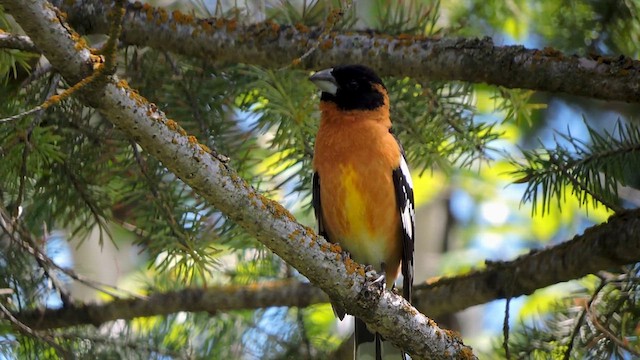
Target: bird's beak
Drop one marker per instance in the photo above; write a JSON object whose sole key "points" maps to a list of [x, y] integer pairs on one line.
{"points": [[325, 81]]}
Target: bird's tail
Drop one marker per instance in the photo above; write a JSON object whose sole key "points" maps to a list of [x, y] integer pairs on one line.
{"points": [[371, 346], [368, 345]]}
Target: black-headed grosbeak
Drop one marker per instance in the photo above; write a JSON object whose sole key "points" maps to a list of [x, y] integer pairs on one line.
{"points": [[362, 190]]}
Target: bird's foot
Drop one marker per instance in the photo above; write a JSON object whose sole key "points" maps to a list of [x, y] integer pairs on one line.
{"points": [[370, 273], [345, 255]]}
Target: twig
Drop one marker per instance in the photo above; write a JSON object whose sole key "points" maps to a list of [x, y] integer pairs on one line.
{"points": [[505, 324], [577, 183], [103, 66], [594, 320], [30, 332], [5, 221], [53, 85], [334, 16], [576, 328]]}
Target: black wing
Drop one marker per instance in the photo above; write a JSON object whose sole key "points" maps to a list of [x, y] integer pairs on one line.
{"points": [[317, 207], [404, 200]]}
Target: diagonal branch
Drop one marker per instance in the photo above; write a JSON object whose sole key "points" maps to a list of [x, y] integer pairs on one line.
{"points": [[601, 247], [342, 279], [271, 45]]}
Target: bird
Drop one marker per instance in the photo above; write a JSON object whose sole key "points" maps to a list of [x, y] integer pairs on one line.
{"points": [[362, 193]]}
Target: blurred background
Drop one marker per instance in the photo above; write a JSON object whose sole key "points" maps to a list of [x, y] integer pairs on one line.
{"points": [[96, 203]]}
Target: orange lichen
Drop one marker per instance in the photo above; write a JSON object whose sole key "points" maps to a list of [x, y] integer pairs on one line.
{"points": [[148, 9], [336, 248], [353, 267], [232, 25], [80, 43], [172, 125], [206, 26], [335, 15], [205, 148], [453, 335], [294, 234], [465, 354], [139, 100], [275, 27], [276, 209], [326, 45], [310, 231], [163, 16], [54, 99], [97, 61], [181, 18], [192, 139], [301, 28], [182, 131], [549, 51]]}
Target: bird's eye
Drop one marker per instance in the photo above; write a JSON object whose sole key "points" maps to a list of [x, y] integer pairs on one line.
{"points": [[353, 85]]}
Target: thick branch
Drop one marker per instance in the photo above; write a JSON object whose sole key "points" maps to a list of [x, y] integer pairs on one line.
{"points": [[342, 279], [601, 247], [270, 45]]}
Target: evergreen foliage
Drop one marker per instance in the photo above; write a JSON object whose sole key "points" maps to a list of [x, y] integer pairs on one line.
{"points": [[67, 169]]}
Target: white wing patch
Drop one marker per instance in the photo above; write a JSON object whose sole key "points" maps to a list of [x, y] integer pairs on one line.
{"points": [[408, 211], [404, 198]]}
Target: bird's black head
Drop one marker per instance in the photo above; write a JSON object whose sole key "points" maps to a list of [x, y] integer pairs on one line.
{"points": [[351, 87]]}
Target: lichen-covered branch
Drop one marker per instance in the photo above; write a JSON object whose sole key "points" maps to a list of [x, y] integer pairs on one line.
{"points": [[270, 45], [601, 247], [342, 279]]}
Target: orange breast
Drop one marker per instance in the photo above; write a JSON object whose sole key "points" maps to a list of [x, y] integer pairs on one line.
{"points": [[355, 160]]}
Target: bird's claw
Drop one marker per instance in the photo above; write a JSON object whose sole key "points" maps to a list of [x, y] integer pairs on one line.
{"points": [[345, 255], [370, 272]]}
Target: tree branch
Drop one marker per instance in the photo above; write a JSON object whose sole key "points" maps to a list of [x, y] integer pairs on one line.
{"points": [[18, 42], [272, 45], [601, 247], [342, 279], [212, 300]]}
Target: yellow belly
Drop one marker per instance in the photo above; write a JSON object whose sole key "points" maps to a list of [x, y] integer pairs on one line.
{"points": [[355, 159], [360, 214]]}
